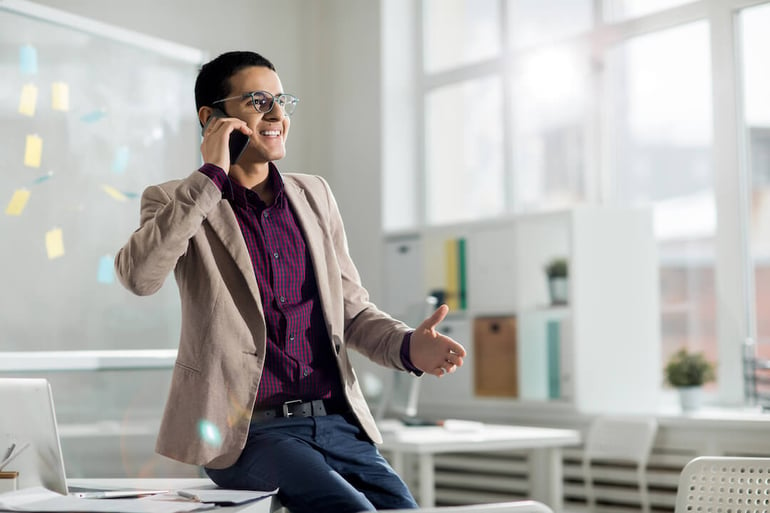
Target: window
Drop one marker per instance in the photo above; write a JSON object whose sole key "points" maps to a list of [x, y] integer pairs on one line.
{"points": [[755, 43], [550, 90], [457, 32], [534, 22], [463, 146], [611, 102], [618, 10], [659, 138]]}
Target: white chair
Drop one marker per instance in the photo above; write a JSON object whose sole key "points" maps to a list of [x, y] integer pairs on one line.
{"points": [[724, 484], [619, 440], [498, 507]]}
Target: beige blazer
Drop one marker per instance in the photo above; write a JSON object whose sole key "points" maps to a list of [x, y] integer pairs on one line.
{"points": [[187, 227]]}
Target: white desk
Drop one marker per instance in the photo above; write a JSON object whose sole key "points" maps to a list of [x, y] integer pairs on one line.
{"points": [[267, 505], [544, 443]]}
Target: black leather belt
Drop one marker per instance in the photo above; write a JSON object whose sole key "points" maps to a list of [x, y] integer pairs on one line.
{"points": [[298, 408]]}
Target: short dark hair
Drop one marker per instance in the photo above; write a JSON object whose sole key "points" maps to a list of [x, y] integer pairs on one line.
{"points": [[213, 82]]}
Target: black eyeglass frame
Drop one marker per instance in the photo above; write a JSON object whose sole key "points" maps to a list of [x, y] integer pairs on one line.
{"points": [[288, 102]]}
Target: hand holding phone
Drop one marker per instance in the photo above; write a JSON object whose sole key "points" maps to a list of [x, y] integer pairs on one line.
{"points": [[238, 140]]}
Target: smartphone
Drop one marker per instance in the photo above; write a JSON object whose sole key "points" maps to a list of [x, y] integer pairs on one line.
{"points": [[238, 140]]}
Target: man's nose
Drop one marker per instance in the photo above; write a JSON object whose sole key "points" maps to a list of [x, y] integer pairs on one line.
{"points": [[276, 113]]}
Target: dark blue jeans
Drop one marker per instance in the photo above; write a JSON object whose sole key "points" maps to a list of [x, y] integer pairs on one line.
{"points": [[320, 464]]}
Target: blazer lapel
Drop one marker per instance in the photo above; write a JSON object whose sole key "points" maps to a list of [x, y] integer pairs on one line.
{"points": [[225, 225], [315, 240]]}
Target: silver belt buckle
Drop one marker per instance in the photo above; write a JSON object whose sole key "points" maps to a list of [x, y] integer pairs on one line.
{"points": [[285, 407]]}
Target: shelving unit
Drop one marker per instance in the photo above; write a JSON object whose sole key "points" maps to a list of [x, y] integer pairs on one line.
{"points": [[608, 333]]}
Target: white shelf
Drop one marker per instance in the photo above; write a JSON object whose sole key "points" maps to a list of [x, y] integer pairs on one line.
{"points": [[612, 321], [45, 361]]}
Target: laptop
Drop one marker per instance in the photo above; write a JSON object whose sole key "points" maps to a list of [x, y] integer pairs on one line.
{"points": [[27, 418]]}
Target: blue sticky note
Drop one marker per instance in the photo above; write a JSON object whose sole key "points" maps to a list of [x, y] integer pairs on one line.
{"points": [[28, 60], [43, 178], [120, 161], [105, 274], [93, 116]]}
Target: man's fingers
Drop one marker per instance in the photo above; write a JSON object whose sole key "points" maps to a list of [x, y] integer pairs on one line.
{"points": [[448, 368], [456, 349], [435, 318]]}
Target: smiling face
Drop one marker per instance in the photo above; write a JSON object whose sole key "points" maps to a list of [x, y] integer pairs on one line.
{"points": [[268, 142]]}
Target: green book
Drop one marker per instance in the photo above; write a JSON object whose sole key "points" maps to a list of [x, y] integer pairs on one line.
{"points": [[553, 341], [461, 278]]}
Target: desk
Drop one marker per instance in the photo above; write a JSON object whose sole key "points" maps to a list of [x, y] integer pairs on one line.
{"points": [[425, 441], [267, 505]]}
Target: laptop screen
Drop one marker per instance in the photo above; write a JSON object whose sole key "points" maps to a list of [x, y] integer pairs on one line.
{"points": [[27, 417]]}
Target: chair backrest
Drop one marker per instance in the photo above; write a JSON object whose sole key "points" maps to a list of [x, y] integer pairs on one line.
{"points": [[726, 483], [619, 439], [498, 507]]}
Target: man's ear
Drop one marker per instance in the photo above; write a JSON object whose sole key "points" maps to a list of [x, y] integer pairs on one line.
{"points": [[203, 114]]}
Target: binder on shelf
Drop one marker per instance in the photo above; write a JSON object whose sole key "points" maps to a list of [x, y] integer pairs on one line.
{"points": [[495, 357], [455, 273], [553, 349]]}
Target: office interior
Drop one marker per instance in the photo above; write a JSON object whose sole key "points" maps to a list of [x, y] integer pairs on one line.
{"points": [[469, 143]]}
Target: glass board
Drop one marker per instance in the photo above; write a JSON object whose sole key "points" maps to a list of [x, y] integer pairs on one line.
{"points": [[89, 116]]}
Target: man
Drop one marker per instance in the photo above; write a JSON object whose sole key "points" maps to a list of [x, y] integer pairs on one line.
{"points": [[263, 394]]}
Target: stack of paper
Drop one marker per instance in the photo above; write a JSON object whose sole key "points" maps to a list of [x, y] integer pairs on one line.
{"points": [[43, 500]]}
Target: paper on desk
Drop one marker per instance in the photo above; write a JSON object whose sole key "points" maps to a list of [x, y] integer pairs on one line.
{"points": [[42, 500], [225, 497]]}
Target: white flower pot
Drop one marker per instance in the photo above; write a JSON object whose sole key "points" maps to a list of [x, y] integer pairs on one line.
{"points": [[559, 290], [690, 398]]}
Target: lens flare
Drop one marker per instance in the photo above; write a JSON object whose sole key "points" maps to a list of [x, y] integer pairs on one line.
{"points": [[209, 433]]}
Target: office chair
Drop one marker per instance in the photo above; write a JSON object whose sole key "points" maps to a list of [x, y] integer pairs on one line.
{"points": [[722, 484], [621, 440], [498, 507]]}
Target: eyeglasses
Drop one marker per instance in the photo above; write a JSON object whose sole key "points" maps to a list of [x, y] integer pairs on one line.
{"points": [[263, 101]]}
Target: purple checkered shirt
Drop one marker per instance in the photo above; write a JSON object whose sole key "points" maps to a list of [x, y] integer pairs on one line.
{"points": [[299, 363]]}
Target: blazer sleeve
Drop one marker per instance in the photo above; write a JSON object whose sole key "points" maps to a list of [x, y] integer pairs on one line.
{"points": [[368, 329], [171, 214]]}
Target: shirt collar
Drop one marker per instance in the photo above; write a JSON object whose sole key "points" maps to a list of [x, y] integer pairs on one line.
{"points": [[244, 197]]}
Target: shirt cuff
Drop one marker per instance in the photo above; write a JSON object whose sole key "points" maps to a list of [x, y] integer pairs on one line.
{"points": [[405, 360], [216, 174]]}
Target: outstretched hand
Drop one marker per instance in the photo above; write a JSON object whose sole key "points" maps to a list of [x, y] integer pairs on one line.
{"points": [[432, 352]]}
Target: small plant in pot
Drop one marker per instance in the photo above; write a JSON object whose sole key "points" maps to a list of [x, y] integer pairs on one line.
{"points": [[557, 272], [687, 372]]}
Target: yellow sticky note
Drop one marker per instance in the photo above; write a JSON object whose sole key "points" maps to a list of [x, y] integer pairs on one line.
{"points": [[116, 194], [54, 243], [60, 96], [28, 100], [18, 202], [33, 151]]}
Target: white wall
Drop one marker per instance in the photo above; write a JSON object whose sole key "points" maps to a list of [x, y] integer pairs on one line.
{"points": [[328, 53]]}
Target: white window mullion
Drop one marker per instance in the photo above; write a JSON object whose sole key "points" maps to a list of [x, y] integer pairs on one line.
{"points": [[735, 317]]}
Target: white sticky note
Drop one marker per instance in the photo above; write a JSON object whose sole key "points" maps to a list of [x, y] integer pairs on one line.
{"points": [[114, 193], [28, 100], [18, 202], [60, 96], [33, 151], [105, 274], [54, 243]]}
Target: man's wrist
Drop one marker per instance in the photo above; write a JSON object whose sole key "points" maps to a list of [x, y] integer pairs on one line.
{"points": [[406, 361], [216, 174]]}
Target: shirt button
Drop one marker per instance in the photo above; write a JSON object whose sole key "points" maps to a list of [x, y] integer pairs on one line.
{"points": [[283, 299], [265, 215], [291, 337], [304, 373], [275, 255]]}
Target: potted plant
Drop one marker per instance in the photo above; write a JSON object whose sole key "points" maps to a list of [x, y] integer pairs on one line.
{"points": [[687, 372], [557, 272]]}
